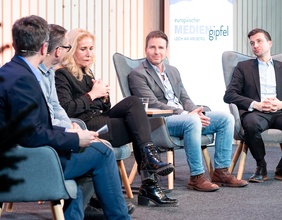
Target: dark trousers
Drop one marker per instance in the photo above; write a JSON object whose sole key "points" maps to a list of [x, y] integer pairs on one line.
{"points": [[254, 123], [128, 123], [101, 162]]}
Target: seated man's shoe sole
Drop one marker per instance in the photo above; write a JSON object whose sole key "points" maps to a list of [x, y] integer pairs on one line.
{"points": [[164, 171], [202, 190], [257, 178], [231, 185], [145, 201], [278, 177]]}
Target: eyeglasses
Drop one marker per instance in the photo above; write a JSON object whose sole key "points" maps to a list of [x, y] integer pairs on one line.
{"points": [[66, 47]]}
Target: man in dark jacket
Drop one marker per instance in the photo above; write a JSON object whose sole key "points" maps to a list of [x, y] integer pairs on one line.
{"points": [[255, 89], [78, 151]]}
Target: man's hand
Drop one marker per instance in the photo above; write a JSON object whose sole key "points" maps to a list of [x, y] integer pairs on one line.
{"points": [[204, 119], [276, 104], [86, 137], [268, 105], [75, 126]]}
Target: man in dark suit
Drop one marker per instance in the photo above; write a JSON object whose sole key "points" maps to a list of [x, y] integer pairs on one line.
{"points": [[255, 89], [78, 151], [162, 84]]}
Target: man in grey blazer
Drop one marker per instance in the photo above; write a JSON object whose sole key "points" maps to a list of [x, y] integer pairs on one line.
{"points": [[255, 90], [162, 84]]}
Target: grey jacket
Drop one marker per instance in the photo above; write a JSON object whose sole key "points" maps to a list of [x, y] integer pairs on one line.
{"points": [[144, 82]]}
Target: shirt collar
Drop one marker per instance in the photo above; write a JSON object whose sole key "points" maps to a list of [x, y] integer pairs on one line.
{"points": [[43, 69], [156, 68], [264, 63], [35, 71]]}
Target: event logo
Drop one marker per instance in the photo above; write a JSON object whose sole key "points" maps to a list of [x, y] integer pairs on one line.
{"points": [[191, 29], [221, 32]]}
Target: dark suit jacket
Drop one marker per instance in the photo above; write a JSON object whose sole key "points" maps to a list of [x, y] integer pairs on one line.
{"points": [[71, 93], [144, 82], [20, 89], [244, 87]]}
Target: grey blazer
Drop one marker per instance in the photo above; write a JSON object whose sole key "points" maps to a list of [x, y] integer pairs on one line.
{"points": [[144, 82]]}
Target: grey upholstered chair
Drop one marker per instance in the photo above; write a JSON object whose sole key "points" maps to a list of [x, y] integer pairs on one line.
{"points": [[40, 178], [121, 153], [230, 60], [161, 138]]}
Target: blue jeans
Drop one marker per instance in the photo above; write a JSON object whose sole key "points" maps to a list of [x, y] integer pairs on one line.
{"points": [[189, 127], [101, 161]]}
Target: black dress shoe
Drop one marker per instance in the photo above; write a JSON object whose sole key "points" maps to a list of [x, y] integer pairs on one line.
{"points": [[91, 212], [152, 163], [95, 206], [278, 174], [260, 175], [152, 192]]}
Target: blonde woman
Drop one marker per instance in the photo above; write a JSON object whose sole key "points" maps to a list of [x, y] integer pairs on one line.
{"points": [[84, 97]]}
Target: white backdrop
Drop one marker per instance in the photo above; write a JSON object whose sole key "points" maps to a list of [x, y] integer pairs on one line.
{"points": [[200, 30]]}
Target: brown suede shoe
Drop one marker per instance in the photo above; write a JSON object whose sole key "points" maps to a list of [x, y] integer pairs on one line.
{"points": [[201, 183], [222, 177]]}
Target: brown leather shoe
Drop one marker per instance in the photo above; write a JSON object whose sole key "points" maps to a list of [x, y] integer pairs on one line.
{"points": [[222, 177], [201, 183]]}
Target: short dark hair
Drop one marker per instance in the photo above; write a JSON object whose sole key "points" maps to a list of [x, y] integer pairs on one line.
{"points": [[57, 36], [156, 34], [29, 33], [259, 30]]}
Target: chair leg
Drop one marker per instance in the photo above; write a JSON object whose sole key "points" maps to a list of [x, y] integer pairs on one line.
{"points": [[124, 178], [9, 207], [242, 162], [57, 210], [1, 208], [133, 173], [207, 160], [170, 159], [236, 156]]}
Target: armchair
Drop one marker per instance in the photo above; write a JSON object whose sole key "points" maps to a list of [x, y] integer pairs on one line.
{"points": [[230, 60], [161, 138], [40, 179]]}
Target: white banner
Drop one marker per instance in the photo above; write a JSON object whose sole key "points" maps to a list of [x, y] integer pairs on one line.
{"points": [[200, 30]]}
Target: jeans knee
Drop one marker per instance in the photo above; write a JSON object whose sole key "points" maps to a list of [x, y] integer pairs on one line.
{"points": [[192, 122], [229, 119]]}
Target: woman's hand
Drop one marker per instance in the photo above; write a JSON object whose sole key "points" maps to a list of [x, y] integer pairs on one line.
{"points": [[99, 89]]}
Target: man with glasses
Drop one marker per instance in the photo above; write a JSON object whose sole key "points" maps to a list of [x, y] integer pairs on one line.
{"points": [[58, 115], [54, 56]]}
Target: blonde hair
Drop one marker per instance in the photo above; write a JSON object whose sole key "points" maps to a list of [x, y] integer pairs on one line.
{"points": [[68, 61]]}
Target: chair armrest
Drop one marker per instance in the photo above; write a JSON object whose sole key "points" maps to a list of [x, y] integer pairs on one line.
{"points": [[79, 122], [160, 134], [205, 108]]}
